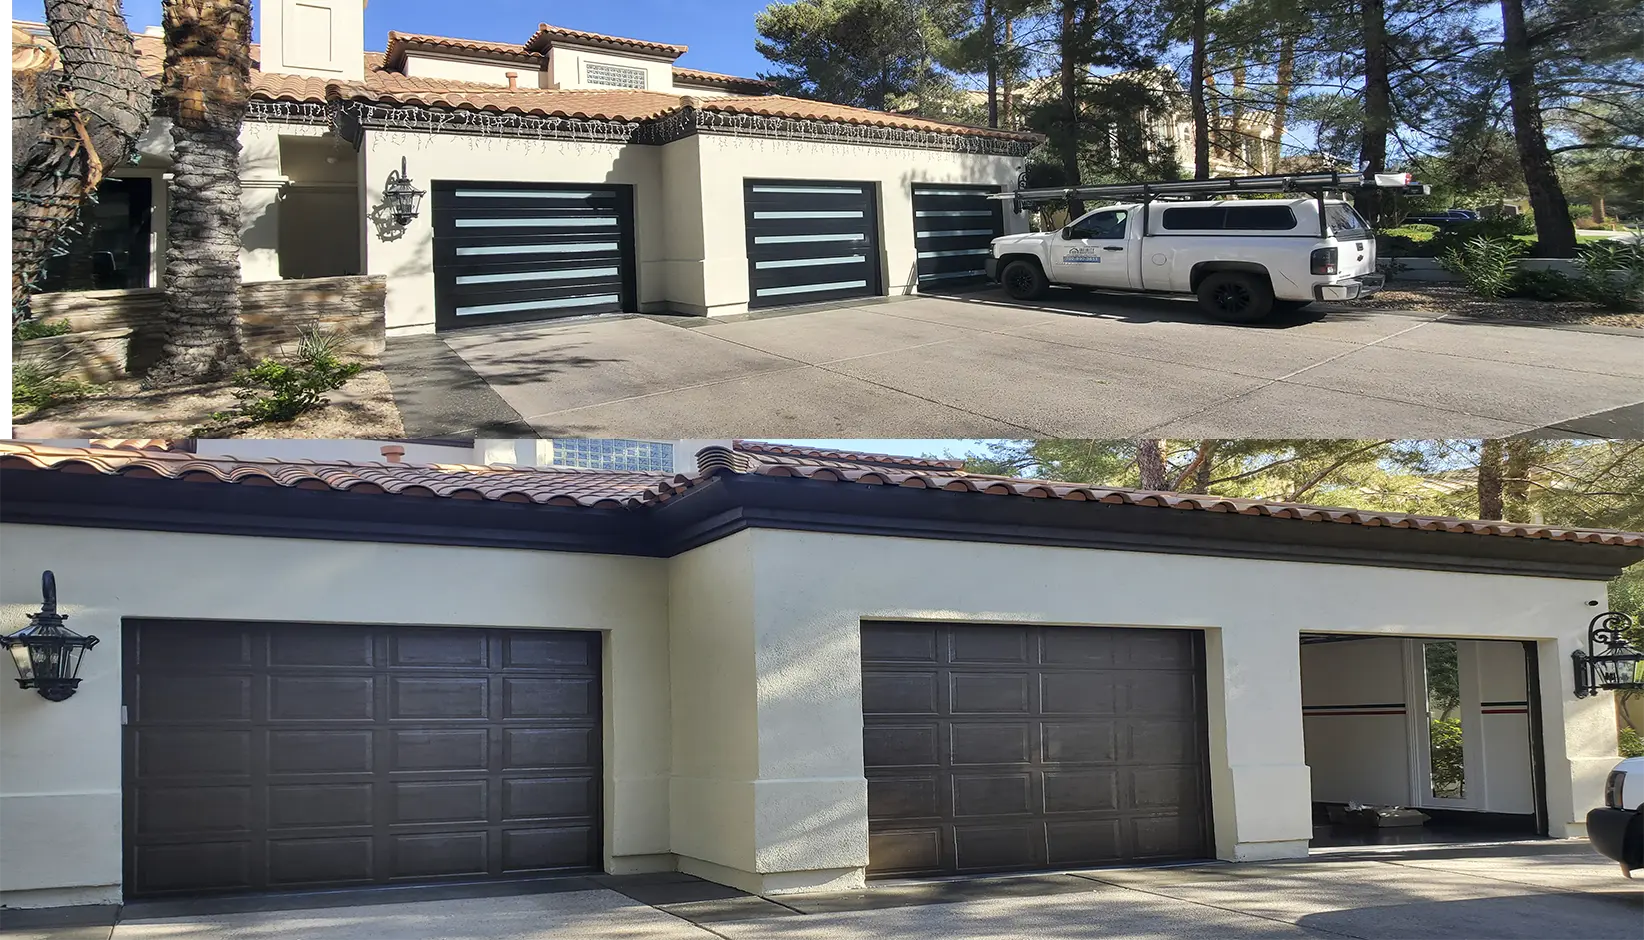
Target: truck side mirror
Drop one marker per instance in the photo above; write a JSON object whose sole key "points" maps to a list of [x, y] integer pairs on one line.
{"points": [[1067, 233]]}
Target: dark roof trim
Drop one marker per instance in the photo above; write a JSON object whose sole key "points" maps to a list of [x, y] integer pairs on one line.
{"points": [[732, 502]]}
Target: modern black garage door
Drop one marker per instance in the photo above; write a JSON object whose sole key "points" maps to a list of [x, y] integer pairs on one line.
{"points": [[953, 230], [527, 251], [993, 748], [261, 756], [810, 240]]}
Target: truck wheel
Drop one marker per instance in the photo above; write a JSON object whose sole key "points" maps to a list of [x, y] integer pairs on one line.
{"points": [[1236, 297], [1024, 281]]}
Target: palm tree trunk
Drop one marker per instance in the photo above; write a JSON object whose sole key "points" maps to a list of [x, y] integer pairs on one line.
{"points": [[991, 30], [208, 58], [1150, 463], [69, 128], [1555, 230], [1005, 79]]}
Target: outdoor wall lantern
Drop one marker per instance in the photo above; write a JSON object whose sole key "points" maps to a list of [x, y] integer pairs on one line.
{"points": [[1608, 662], [404, 198], [46, 653]]}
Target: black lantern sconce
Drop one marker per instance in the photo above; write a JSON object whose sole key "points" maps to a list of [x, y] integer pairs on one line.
{"points": [[404, 198], [46, 653], [1608, 663]]}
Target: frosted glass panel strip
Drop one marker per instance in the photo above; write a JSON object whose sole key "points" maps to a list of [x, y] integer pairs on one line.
{"points": [[933, 277], [809, 214], [930, 213], [561, 275], [808, 189], [954, 232], [536, 249], [583, 221], [808, 262], [809, 288], [952, 192], [791, 239], [538, 305], [954, 253], [528, 194]]}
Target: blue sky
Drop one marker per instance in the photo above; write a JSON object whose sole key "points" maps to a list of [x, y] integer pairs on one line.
{"points": [[720, 33]]}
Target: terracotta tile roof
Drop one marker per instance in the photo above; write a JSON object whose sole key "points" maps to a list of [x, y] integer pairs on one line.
{"points": [[545, 36], [692, 76], [399, 43], [559, 486], [384, 85], [590, 103], [790, 455], [783, 106], [562, 486], [961, 482]]}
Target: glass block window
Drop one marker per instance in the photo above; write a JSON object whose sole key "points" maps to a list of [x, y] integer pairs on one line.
{"points": [[614, 454], [616, 76]]}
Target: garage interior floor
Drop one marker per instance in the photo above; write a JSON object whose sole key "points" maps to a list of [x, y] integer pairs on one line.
{"points": [[1443, 828]]}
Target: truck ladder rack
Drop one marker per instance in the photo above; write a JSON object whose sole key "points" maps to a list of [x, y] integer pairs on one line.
{"points": [[1313, 184]]}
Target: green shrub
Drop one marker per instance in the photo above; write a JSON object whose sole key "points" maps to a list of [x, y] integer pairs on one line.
{"points": [[1543, 285], [275, 390], [35, 384], [35, 329], [1448, 772], [1417, 228], [1406, 241], [1486, 264], [1612, 272], [1629, 744]]}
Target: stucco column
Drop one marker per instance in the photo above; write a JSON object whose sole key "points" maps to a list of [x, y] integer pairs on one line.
{"points": [[1578, 738], [1261, 792], [260, 228]]}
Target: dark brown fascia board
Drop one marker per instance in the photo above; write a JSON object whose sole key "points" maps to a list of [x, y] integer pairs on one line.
{"points": [[731, 503], [51, 497]]}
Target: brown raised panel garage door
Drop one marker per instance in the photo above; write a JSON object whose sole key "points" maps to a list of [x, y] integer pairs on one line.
{"points": [[998, 748], [273, 756]]}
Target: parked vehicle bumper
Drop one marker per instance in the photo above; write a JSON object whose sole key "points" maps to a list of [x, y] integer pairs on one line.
{"points": [[1351, 289], [1618, 834], [991, 266]]}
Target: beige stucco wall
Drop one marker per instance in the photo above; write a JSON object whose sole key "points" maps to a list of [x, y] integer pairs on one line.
{"points": [[812, 591], [726, 161], [567, 67], [313, 37], [60, 817], [462, 69]]}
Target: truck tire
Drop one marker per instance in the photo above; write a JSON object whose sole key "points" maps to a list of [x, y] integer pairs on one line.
{"points": [[1023, 280], [1236, 297]]}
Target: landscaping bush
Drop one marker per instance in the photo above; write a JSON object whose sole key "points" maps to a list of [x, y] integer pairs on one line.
{"points": [[1612, 272], [1406, 241], [37, 329], [1486, 264], [35, 384], [1543, 285], [1629, 744], [275, 390]]}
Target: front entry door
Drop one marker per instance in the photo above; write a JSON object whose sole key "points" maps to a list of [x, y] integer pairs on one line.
{"points": [[1094, 251]]}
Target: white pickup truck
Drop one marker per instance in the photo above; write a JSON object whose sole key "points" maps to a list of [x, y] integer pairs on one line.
{"points": [[1244, 259], [1616, 829]]}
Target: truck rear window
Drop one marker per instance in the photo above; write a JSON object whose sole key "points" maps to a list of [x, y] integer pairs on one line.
{"points": [[1343, 220], [1230, 218]]}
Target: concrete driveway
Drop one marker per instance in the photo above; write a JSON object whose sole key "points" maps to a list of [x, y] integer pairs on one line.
{"points": [[1532, 891], [980, 366]]}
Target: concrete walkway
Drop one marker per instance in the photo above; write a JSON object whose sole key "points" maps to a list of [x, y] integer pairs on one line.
{"points": [[978, 366], [1531, 890]]}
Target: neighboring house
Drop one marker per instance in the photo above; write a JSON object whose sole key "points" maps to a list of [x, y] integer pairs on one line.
{"points": [[1249, 149], [572, 173], [789, 671]]}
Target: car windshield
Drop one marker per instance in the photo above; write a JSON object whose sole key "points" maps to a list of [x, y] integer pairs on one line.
{"points": [[1343, 220]]}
